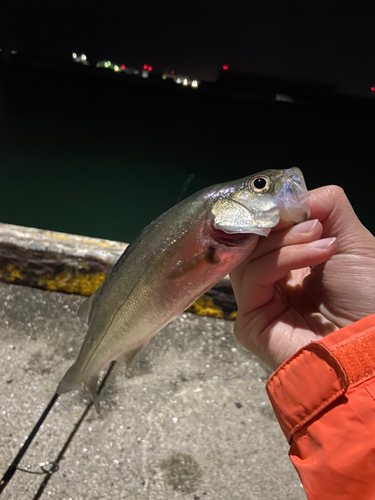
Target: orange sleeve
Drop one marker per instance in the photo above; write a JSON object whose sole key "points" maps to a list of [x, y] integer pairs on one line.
{"points": [[324, 400]]}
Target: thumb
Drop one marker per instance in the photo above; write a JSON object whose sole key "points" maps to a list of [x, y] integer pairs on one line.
{"points": [[331, 206]]}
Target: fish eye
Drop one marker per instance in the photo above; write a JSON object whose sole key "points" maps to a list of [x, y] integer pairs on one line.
{"points": [[260, 184]]}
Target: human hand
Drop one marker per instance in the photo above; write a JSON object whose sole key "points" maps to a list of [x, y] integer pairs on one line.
{"points": [[282, 304]]}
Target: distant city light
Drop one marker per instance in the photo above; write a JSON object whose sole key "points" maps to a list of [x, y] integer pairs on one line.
{"points": [[225, 67], [144, 73], [284, 98], [80, 58]]}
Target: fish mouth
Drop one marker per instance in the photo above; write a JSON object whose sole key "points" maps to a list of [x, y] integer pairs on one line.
{"points": [[294, 196], [245, 212]]}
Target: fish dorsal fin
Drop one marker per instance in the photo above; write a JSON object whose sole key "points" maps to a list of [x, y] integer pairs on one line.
{"points": [[86, 306]]}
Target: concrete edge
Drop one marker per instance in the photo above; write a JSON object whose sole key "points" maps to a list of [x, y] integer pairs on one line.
{"points": [[76, 264]]}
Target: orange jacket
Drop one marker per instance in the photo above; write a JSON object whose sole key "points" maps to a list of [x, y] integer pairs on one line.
{"points": [[324, 400]]}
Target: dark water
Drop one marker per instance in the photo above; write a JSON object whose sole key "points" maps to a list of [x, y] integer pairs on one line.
{"points": [[94, 154]]}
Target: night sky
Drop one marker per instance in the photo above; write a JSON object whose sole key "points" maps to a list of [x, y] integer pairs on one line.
{"points": [[330, 41]]}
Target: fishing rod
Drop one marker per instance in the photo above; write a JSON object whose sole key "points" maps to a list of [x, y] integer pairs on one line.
{"points": [[13, 467]]}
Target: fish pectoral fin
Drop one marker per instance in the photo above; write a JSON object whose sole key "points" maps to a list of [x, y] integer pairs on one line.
{"points": [[184, 266]]}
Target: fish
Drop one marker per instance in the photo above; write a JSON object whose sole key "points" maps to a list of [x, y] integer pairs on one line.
{"points": [[176, 259]]}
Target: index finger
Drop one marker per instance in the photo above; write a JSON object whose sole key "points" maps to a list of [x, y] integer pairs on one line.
{"points": [[331, 206]]}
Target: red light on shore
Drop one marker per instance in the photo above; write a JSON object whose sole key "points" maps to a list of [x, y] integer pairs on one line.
{"points": [[123, 66], [225, 67], [145, 66], [149, 68], [372, 89]]}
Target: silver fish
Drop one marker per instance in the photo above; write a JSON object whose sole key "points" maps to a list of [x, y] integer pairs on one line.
{"points": [[176, 259]]}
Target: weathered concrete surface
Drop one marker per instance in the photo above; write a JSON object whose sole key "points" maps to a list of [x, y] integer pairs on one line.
{"points": [[55, 261], [77, 264], [192, 423]]}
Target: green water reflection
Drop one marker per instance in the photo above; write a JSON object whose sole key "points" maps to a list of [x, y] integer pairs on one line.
{"points": [[103, 158]]}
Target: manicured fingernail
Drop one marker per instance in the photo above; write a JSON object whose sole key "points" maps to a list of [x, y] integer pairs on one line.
{"points": [[305, 227], [322, 244]]}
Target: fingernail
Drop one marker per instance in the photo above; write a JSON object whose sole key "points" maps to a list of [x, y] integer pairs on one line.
{"points": [[322, 244], [305, 227]]}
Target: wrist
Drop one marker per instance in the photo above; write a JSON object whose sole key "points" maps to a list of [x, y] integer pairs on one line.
{"points": [[320, 373]]}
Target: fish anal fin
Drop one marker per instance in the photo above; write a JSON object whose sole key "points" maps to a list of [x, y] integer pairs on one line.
{"points": [[128, 357]]}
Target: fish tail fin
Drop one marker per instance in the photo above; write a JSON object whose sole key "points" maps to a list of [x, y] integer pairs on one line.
{"points": [[73, 380]]}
